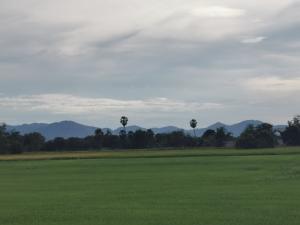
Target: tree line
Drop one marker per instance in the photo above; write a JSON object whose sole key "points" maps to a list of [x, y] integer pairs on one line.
{"points": [[261, 136]]}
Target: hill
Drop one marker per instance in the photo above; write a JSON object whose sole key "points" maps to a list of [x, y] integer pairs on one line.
{"points": [[68, 129]]}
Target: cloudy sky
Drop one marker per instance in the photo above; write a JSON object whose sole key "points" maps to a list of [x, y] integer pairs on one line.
{"points": [[159, 62]]}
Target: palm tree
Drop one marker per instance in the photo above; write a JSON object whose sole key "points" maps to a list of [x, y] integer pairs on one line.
{"points": [[124, 121], [98, 132], [193, 124]]}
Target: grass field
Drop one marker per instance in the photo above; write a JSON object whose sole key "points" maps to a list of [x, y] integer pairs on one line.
{"points": [[247, 187]]}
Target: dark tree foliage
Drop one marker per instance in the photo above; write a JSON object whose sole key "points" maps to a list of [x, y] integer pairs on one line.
{"points": [[33, 142], [141, 139], [78, 144], [291, 135], [56, 145], [111, 141], [3, 139], [209, 138], [218, 138], [97, 139], [222, 136], [261, 136], [247, 139], [14, 143]]}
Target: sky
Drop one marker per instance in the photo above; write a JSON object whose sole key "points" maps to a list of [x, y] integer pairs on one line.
{"points": [[159, 62]]}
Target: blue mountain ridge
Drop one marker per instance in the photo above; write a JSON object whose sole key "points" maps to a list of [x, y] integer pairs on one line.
{"points": [[67, 129]]}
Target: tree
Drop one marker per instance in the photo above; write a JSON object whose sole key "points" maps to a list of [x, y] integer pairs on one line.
{"points": [[3, 139], [141, 139], [247, 138], [176, 139], [15, 143], [150, 138], [291, 134], [98, 139], [124, 121], [33, 142], [222, 136], [123, 139], [2, 128], [79, 144], [265, 136], [208, 138], [261, 136], [98, 132], [58, 144], [10, 142], [111, 141], [193, 124]]}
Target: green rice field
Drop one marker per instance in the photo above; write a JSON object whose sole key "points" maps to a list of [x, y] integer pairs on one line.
{"points": [[170, 187]]}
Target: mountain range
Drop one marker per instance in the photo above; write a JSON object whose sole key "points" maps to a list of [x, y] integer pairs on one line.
{"points": [[68, 129]]}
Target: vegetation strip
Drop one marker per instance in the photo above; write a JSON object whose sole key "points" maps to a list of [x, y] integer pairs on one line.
{"points": [[261, 136], [149, 154]]}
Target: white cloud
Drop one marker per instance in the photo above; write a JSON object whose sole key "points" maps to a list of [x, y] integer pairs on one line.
{"points": [[70, 104], [273, 84], [218, 12], [253, 40]]}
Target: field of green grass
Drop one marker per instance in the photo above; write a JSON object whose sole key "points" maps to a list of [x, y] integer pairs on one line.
{"points": [[174, 187]]}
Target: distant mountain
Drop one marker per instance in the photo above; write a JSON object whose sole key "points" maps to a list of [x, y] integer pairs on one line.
{"points": [[216, 126], [27, 128], [67, 129], [63, 129], [235, 129], [165, 130]]}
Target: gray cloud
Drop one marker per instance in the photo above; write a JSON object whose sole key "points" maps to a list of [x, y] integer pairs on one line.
{"points": [[192, 51]]}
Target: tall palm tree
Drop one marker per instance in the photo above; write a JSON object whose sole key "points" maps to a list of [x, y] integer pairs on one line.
{"points": [[98, 132], [124, 121], [193, 124]]}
